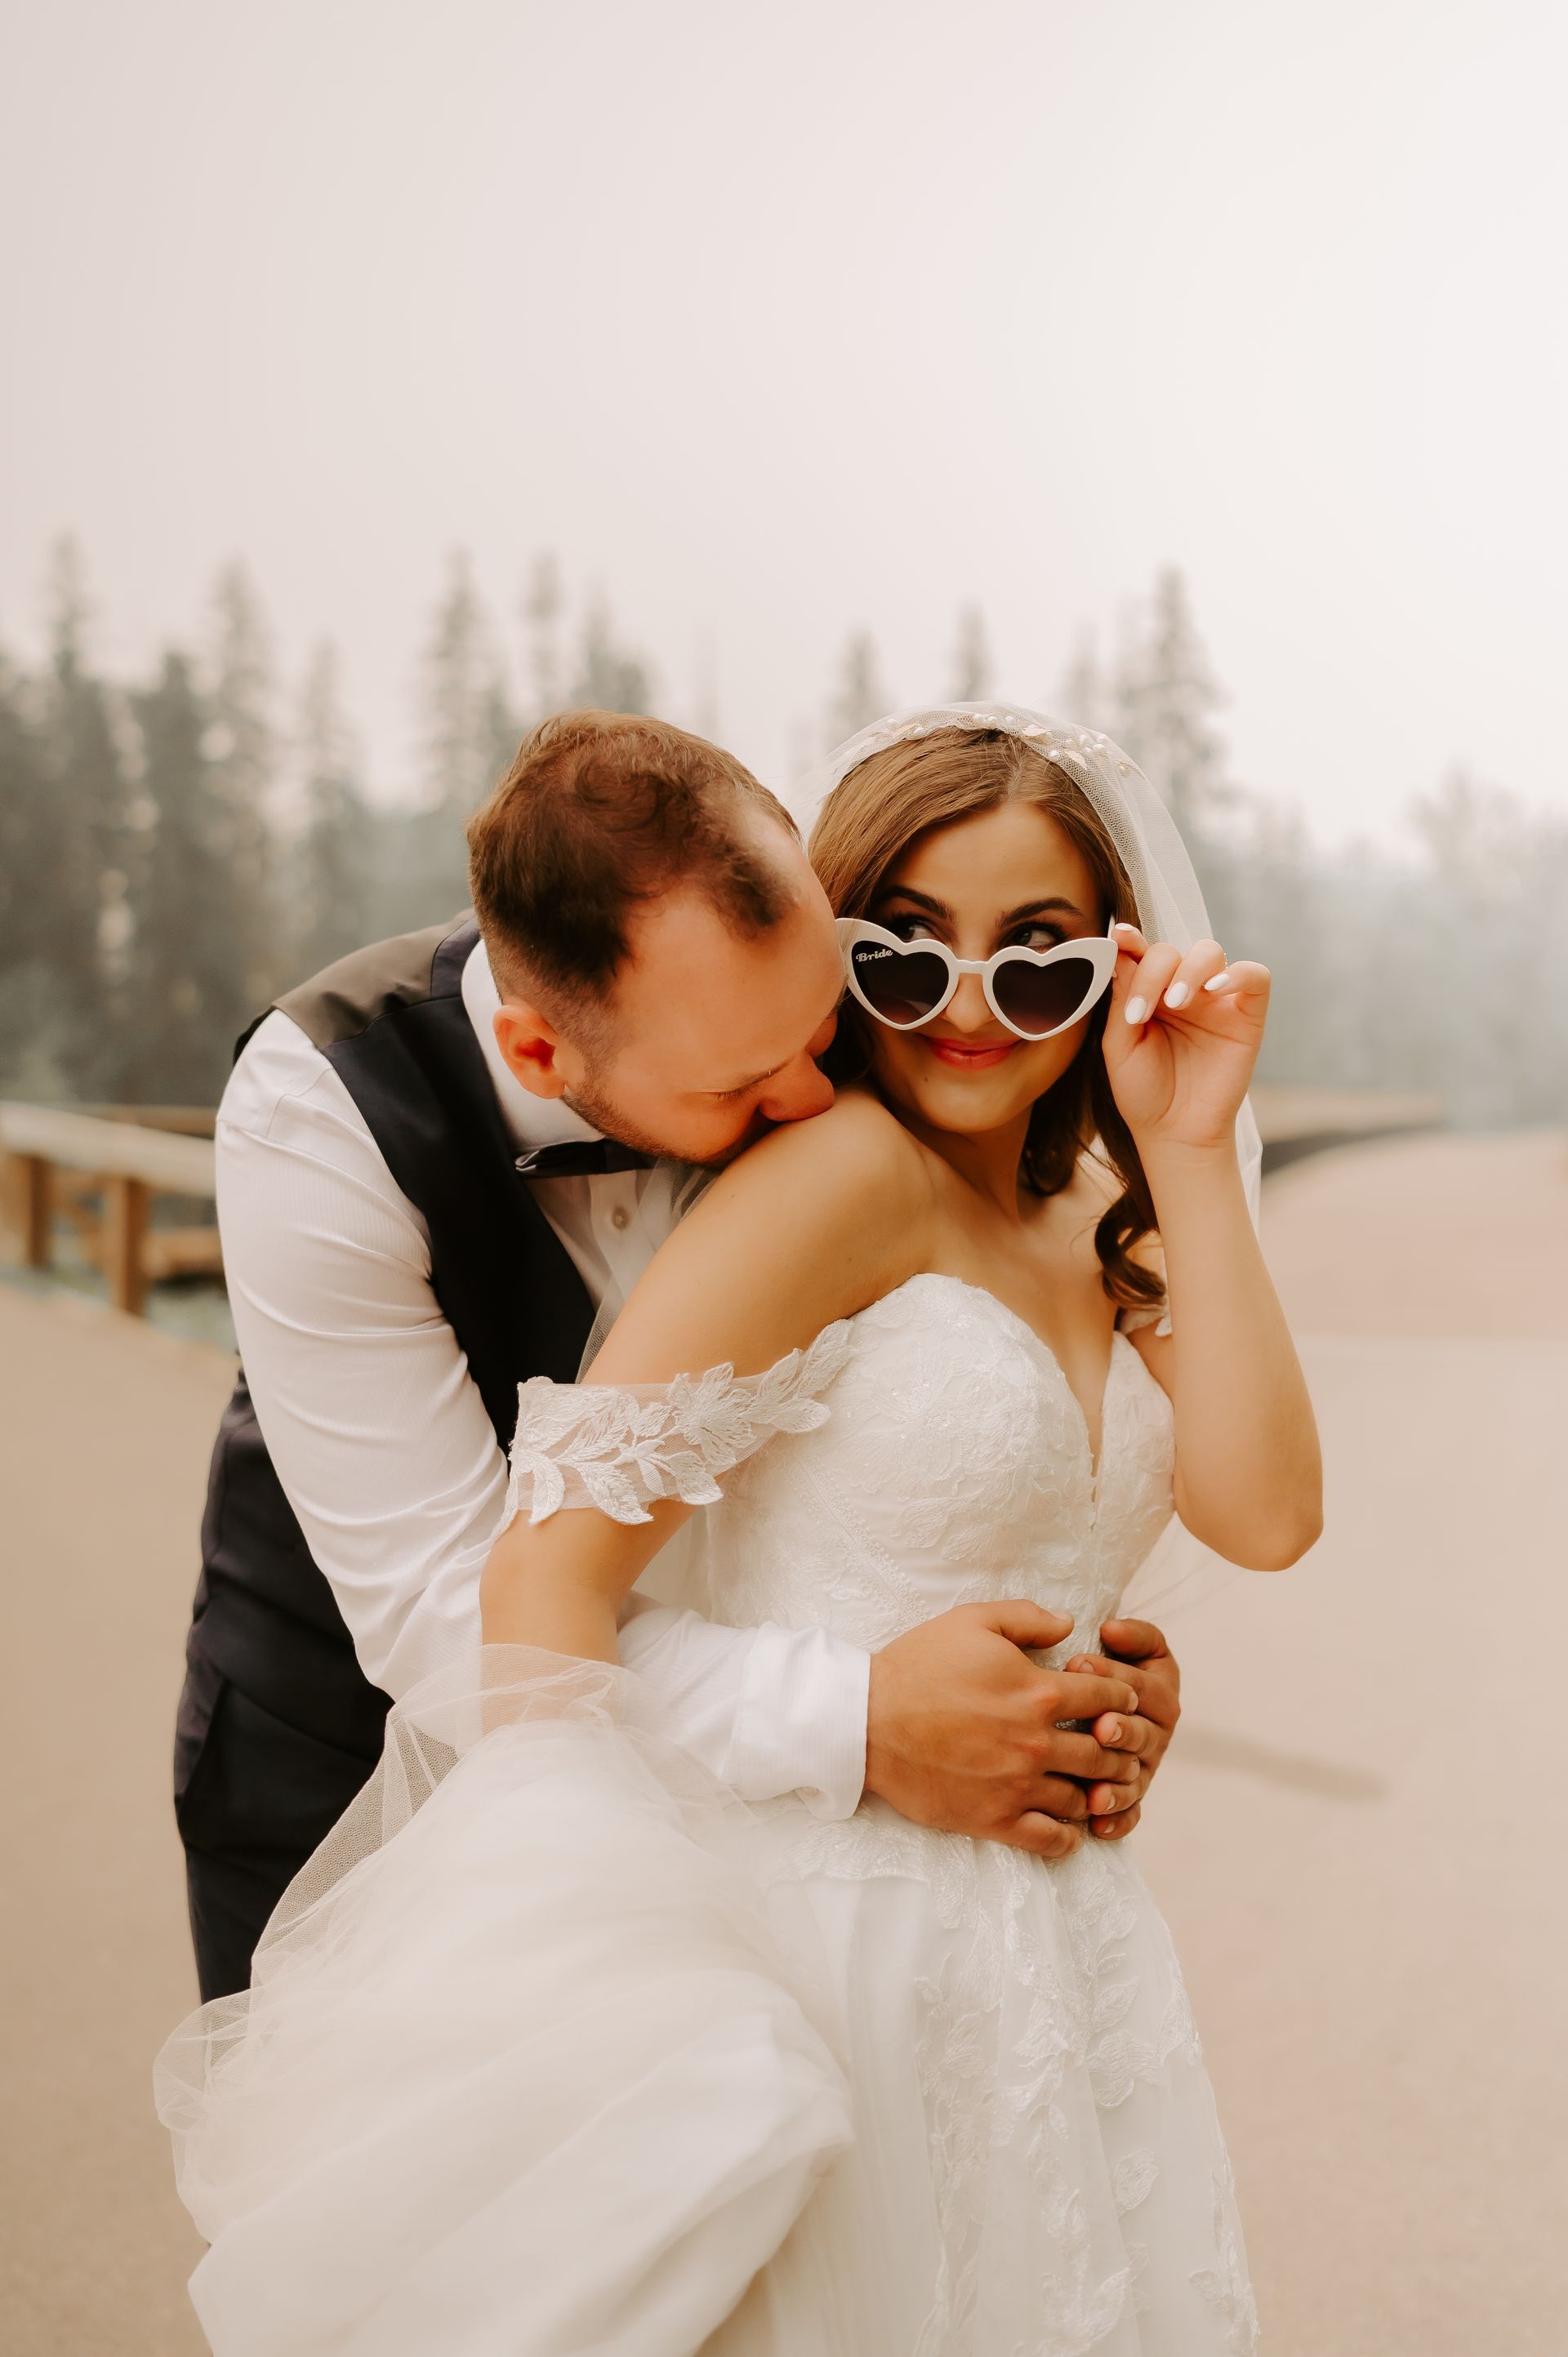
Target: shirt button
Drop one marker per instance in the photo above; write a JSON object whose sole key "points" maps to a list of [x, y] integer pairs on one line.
{"points": [[619, 1216]]}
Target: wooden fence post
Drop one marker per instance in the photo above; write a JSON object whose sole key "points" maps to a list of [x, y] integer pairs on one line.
{"points": [[125, 1233], [34, 1209], [124, 1164]]}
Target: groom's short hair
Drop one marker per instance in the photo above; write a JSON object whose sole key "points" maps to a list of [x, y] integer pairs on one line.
{"points": [[599, 813]]}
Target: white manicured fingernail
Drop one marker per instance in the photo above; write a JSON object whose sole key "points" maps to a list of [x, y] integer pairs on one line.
{"points": [[1177, 994], [1138, 1009], [1216, 982], [1124, 928]]}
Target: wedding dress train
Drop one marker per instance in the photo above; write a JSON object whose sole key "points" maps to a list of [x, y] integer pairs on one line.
{"points": [[553, 2047]]}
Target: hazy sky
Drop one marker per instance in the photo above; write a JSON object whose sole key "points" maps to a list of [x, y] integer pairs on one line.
{"points": [[780, 321]]}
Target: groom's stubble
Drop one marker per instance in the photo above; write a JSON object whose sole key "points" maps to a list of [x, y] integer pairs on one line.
{"points": [[602, 1114]]}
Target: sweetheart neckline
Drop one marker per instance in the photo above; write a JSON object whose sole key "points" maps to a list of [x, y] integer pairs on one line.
{"points": [[1095, 1457]]}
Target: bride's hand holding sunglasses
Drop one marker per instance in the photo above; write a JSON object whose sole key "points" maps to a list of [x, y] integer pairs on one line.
{"points": [[1182, 1041], [1183, 1035]]}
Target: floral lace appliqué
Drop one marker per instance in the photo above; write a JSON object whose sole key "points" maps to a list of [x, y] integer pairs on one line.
{"points": [[617, 1446]]}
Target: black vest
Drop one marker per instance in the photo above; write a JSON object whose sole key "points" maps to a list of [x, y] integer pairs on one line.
{"points": [[391, 1022]]}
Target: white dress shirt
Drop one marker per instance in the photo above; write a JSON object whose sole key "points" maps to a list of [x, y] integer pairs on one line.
{"points": [[380, 1436]]}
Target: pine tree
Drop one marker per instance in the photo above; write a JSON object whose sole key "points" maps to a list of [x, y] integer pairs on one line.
{"points": [[471, 733], [1493, 888], [858, 699], [21, 811], [542, 608], [971, 658], [1167, 699], [29, 865], [189, 994], [468, 718], [86, 845], [334, 856], [503, 732], [609, 678], [1082, 696], [242, 744]]}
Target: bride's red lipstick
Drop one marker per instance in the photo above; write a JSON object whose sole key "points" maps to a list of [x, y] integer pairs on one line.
{"points": [[964, 1058]]}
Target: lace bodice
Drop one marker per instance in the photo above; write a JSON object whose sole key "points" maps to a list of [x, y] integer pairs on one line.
{"points": [[927, 1452], [954, 1467]]}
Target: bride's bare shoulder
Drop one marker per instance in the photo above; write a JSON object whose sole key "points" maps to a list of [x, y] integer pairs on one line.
{"points": [[856, 1138], [833, 1175], [818, 1219]]}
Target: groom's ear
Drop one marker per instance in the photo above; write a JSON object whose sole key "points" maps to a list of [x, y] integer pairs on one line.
{"points": [[530, 1046]]}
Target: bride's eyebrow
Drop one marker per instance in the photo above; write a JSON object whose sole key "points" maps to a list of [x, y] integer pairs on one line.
{"points": [[1057, 905], [922, 899]]}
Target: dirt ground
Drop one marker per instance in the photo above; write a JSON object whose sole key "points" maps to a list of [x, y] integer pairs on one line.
{"points": [[1359, 1838]]}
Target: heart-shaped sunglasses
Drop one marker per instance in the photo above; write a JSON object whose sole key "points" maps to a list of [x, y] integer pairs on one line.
{"points": [[1035, 993]]}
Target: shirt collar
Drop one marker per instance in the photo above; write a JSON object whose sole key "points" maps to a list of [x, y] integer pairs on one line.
{"points": [[532, 1121]]}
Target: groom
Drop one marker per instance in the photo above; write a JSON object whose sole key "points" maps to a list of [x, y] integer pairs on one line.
{"points": [[433, 1165]]}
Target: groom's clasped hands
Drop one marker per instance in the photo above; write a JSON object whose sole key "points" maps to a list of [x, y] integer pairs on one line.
{"points": [[966, 1732]]}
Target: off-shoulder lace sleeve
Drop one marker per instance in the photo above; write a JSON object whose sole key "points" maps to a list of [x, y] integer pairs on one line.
{"points": [[618, 1446]]}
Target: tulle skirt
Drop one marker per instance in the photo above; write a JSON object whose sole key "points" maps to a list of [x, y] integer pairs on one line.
{"points": [[554, 2047]]}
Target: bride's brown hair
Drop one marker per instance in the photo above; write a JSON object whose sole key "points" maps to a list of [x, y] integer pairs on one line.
{"points": [[870, 817]]}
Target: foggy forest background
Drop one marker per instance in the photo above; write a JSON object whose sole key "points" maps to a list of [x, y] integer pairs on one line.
{"points": [[176, 849]]}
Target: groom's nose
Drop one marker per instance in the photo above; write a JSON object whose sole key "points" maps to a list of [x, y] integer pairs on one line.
{"points": [[796, 1094]]}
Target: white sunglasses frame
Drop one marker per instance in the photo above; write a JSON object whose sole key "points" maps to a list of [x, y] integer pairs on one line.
{"points": [[1100, 949]]}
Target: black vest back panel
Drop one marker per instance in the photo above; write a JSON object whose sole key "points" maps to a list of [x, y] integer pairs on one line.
{"points": [[391, 1022]]}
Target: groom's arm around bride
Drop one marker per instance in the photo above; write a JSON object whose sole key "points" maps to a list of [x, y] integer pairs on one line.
{"points": [[433, 1168]]}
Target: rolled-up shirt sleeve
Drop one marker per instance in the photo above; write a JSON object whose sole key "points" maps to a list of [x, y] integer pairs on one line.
{"points": [[384, 1449]]}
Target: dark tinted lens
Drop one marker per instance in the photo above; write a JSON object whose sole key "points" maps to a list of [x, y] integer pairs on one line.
{"points": [[902, 986], [1040, 998]]}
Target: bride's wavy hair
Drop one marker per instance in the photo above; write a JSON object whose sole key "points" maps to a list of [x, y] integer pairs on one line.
{"points": [[867, 822]]}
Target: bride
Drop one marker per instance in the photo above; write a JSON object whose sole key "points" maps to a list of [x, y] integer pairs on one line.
{"points": [[554, 2047]]}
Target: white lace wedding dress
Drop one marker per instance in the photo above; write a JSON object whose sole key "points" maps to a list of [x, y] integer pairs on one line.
{"points": [[553, 2048]]}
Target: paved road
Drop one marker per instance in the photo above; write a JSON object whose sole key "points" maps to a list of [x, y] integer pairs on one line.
{"points": [[104, 1430], [1360, 1839]]}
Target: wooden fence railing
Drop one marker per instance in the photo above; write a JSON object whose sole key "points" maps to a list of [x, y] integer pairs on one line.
{"points": [[103, 1165], [103, 1168]]}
